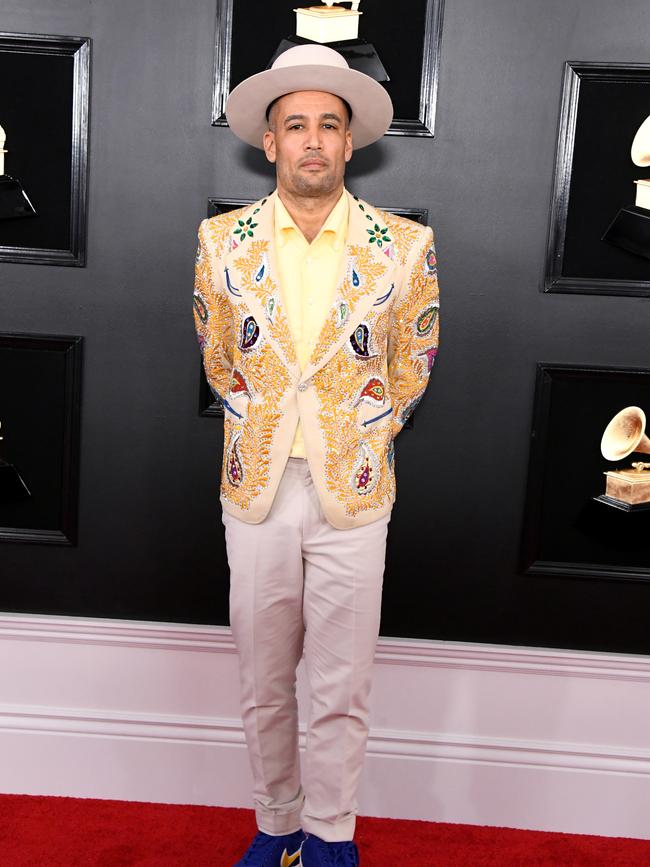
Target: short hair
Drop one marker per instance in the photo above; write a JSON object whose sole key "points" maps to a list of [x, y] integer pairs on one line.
{"points": [[348, 108]]}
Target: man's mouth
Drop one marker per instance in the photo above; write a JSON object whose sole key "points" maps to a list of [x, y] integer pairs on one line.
{"points": [[312, 164]]}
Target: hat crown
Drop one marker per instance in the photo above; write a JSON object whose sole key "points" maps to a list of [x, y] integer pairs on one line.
{"points": [[310, 55]]}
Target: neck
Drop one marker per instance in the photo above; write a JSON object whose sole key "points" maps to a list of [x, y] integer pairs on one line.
{"points": [[309, 212]]}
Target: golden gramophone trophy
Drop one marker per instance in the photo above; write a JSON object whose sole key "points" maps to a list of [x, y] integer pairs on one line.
{"points": [[630, 228], [626, 489], [329, 23], [337, 26]]}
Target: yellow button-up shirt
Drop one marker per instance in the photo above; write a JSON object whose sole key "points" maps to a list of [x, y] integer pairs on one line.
{"points": [[308, 274]]}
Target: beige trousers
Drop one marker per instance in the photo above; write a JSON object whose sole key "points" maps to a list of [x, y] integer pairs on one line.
{"points": [[297, 583]]}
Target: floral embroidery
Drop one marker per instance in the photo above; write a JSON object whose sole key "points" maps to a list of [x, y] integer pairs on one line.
{"points": [[378, 235], [245, 228]]}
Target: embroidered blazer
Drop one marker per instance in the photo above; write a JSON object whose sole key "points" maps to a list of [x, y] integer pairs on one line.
{"points": [[368, 370]]}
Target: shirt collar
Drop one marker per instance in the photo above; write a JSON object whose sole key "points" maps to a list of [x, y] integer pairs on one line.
{"points": [[334, 227]]}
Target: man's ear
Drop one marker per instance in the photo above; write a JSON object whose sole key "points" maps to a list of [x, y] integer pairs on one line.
{"points": [[348, 146], [269, 145]]}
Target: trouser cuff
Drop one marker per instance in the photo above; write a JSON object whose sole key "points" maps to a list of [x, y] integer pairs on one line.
{"points": [[277, 824], [331, 832]]}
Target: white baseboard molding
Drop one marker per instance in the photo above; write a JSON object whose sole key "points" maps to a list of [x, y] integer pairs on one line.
{"points": [[490, 735]]}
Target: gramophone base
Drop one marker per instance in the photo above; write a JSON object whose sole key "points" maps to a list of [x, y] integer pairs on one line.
{"points": [[12, 486], [360, 55], [630, 229], [622, 506], [13, 200]]}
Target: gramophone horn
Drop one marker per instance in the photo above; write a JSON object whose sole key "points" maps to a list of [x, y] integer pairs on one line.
{"points": [[625, 434], [641, 144]]}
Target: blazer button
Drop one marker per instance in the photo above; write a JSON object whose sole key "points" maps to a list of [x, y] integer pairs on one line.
{"points": [[303, 386]]}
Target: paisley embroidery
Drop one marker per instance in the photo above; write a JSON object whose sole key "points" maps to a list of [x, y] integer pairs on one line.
{"points": [[373, 392], [234, 468], [430, 355], [430, 263], [250, 332], [366, 473], [426, 320], [238, 384], [262, 271], [360, 341], [358, 455], [201, 309], [270, 308], [355, 275], [342, 312]]}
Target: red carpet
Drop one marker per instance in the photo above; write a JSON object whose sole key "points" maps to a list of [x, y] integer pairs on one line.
{"points": [[74, 832]]}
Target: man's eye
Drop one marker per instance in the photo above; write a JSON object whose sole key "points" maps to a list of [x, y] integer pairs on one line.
{"points": [[295, 126]]}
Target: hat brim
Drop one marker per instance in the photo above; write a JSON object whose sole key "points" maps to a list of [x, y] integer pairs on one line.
{"points": [[372, 109]]}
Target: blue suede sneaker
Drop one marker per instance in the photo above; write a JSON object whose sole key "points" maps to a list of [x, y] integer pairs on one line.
{"points": [[317, 853], [269, 851]]}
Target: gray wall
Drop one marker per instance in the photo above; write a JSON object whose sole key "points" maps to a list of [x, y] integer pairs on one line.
{"points": [[150, 536]]}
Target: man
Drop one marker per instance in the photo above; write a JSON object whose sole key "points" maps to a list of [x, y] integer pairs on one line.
{"points": [[317, 316]]}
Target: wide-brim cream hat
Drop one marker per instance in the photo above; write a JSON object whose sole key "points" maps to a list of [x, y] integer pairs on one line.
{"points": [[310, 67]]}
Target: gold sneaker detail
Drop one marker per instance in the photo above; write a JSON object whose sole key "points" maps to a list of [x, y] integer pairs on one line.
{"points": [[287, 860]]}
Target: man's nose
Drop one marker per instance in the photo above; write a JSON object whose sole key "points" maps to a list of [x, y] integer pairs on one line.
{"points": [[313, 138]]}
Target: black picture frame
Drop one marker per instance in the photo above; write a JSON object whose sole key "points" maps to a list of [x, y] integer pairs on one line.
{"points": [[40, 415], [44, 113], [415, 73], [209, 405], [567, 531], [602, 106]]}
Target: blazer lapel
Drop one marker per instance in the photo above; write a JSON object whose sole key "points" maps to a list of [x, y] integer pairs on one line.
{"points": [[366, 267], [252, 278], [252, 274]]}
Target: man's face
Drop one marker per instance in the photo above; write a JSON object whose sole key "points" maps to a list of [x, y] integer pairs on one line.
{"points": [[309, 141]]}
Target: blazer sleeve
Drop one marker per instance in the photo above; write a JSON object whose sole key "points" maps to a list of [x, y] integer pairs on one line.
{"points": [[414, 333], [212, 315]]}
